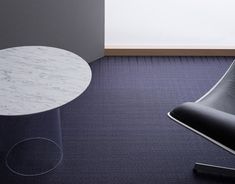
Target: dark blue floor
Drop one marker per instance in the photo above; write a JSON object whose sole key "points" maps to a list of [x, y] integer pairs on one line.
{"points": [[117, 132]]}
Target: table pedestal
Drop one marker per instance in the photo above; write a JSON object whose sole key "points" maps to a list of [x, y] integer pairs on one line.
{"points": [[31, 144]]}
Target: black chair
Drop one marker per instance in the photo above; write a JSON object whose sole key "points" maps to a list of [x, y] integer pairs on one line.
{"points": [[213, 117]]}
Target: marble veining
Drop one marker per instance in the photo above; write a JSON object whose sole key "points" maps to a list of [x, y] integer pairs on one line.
{"points": [[34, 79]]}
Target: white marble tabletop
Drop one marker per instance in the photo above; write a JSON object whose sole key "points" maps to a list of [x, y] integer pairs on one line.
{"points": [[34, 79]]}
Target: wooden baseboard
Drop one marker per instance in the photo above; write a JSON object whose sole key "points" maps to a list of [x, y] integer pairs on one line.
{"points": [[169, 52]]}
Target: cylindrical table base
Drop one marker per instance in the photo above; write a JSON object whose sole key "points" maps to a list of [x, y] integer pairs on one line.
{"points": [[32, 143]]}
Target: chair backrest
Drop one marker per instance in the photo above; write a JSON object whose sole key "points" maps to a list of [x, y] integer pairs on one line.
{"points": [[222, 95]]}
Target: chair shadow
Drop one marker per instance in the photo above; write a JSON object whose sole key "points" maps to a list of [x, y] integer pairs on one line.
{"points": [[212, 178]]}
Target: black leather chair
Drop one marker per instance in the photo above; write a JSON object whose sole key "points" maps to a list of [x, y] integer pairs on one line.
{"points": [[213, 117]]}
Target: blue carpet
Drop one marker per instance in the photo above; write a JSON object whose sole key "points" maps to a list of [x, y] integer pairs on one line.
{"points": [[118, 132]]}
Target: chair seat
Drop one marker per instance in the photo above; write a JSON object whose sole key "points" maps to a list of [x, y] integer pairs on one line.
{"points": [[212, 123], [213, 117]]}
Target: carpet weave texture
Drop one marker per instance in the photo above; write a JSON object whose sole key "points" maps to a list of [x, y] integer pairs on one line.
{"points": [[118, 132]]}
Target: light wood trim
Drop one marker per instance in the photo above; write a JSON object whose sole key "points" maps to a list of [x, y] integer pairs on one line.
{"points": [[169, 52]]}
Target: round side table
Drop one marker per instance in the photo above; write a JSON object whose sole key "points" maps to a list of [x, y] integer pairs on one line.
{"points": [[35, 81]]}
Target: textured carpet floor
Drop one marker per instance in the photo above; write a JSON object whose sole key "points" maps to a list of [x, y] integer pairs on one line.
{"points": [[117, 132]]}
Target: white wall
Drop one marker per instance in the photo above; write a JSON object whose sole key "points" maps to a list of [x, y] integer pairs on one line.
{"points": [[170, 23]]}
